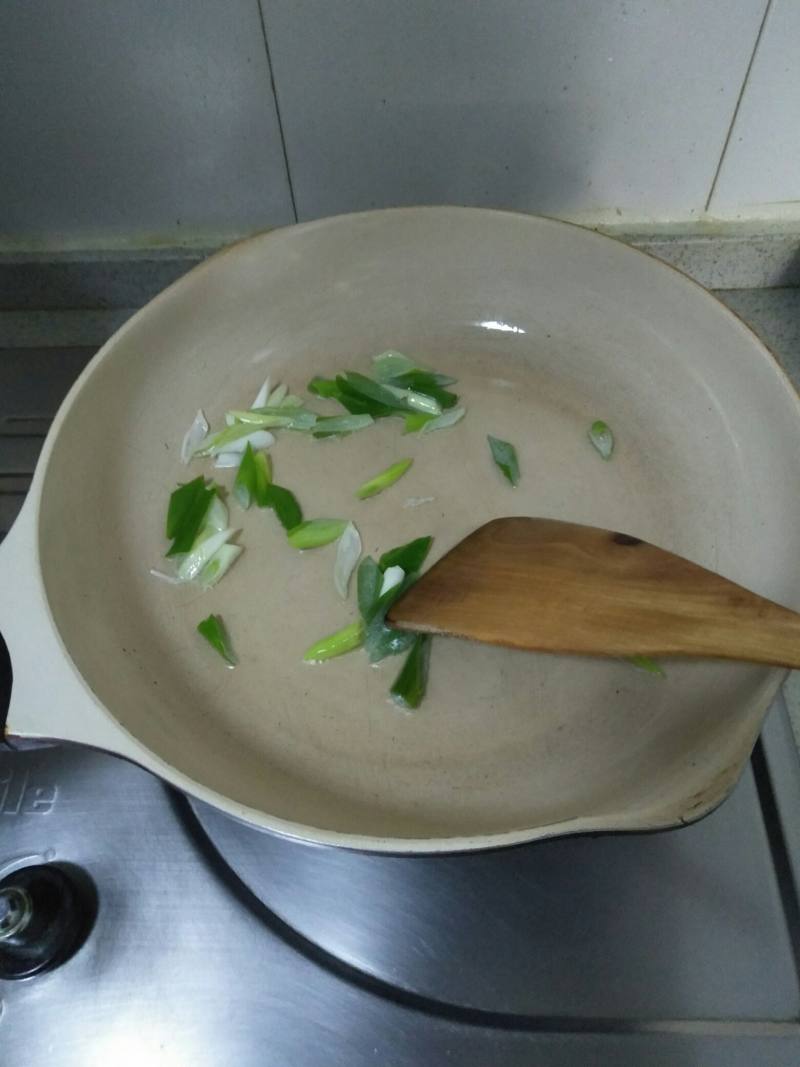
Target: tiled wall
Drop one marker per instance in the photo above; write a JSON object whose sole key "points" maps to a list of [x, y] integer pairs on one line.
{"points": [[196, 120]]}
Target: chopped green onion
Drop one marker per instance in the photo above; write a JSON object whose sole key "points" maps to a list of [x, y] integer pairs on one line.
{"points": [[390, 364], [285, 506], [415, 420], [410, 556], [645, 663], [324, 387], [429, 384], [347, 552], [384, 479], [235, 439], [252, 479], [188, 507], [375, 596], [602, 438], [213, 629], [290, 418], [316, 532], [219, 565], [261, 396], [208, 542], [344, 640], [277, 396], [505, 456], [272, 418], [423, 379], [371, 397], [336, 425], [381, 641], [445, 420], [194, 436], [217, 515], [369, 580], [414, 400], [411, 683]]}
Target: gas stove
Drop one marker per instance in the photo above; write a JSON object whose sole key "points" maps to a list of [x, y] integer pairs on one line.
{"points": [[155, 930]]}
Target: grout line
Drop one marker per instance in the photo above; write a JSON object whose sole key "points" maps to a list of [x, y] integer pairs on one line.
{"points": [[739, 99], [278, 108]]}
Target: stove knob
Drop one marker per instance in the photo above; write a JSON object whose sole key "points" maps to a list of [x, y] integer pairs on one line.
{"points": [[46, 914]]}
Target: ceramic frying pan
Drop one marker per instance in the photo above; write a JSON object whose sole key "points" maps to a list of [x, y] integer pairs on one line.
{"points": [[547, 327]]}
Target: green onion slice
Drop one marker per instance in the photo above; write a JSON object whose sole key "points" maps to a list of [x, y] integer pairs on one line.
{"points": [[253, 478], [384, 479], [324, 387], [410, 556], [376, 399], [381, 641], [505, 456], [188, 507], [213, 629], [415, 401], [428, 384], [285, 506], [645, 663], [391, 364], [344, 640], [336, 425], [316, 532], [602, 438], [444, 421], [368, 581], [416, 420], [410, 685]]}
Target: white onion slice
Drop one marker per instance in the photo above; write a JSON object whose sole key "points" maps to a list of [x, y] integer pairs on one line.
{"points": [[261, 396], [347, 552], [201, 552], [447, 418], [257, 439], [392, 576], [194, 436], [170, 579], [227, 459], [219, 564], [217, 516]]}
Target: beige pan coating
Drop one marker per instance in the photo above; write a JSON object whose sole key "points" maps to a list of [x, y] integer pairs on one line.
{"points": [[547, 327]]}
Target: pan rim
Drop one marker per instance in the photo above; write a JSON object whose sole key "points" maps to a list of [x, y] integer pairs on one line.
{"points": [[634, 820]]}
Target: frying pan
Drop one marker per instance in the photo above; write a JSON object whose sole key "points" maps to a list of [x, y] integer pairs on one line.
{"points": [[547, 326]]}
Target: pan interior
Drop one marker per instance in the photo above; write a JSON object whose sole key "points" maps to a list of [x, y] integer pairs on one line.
{"points": [[547, 328]]}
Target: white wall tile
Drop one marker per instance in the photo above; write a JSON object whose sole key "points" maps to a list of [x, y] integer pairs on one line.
{"points": [[143, 118], [608, 109], [762, 162]]}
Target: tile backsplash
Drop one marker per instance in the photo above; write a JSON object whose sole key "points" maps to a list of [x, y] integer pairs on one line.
{"points": [[179, 121]]}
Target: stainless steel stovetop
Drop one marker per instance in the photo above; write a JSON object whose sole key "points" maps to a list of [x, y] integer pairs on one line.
{"points": [[212, 944]]}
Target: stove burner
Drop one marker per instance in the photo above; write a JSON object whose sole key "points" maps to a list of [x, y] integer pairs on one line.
{"points": [[46, 914], [574, 927]]}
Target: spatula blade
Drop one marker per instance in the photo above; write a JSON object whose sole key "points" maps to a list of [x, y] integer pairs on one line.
{"points": [[551, 586]]}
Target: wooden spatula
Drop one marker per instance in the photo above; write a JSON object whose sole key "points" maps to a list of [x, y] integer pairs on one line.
{"points": [[557, 587]]}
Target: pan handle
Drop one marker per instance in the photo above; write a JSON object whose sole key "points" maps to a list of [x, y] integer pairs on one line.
{"points": [[42, 695]]}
